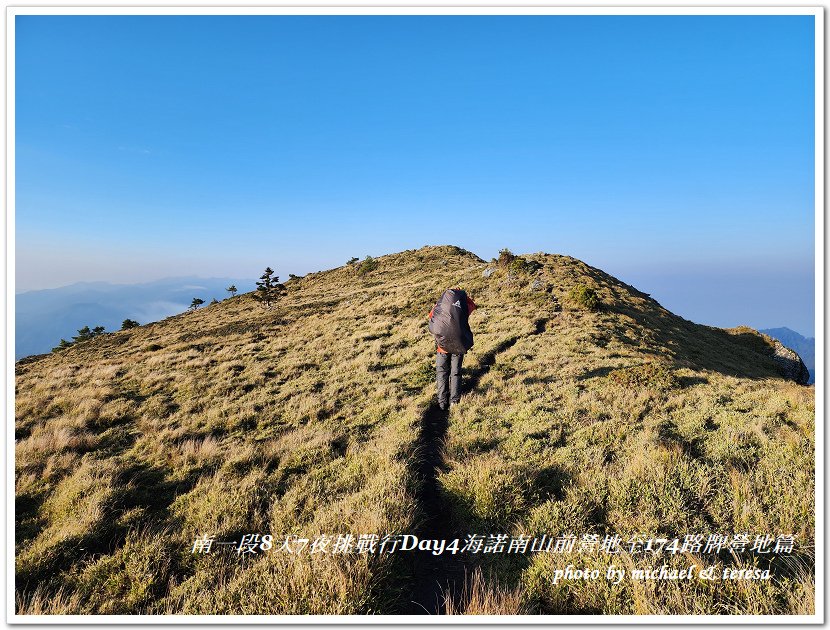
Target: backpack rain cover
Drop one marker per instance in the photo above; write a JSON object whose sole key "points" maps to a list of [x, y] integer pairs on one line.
{"points": [[449, 322]]}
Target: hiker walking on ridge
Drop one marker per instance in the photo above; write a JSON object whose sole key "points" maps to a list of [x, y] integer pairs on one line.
{"points": [[449, 324]]}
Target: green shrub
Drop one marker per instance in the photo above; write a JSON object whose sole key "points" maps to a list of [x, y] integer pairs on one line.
{"points": [[584, 297], [368, 265]]}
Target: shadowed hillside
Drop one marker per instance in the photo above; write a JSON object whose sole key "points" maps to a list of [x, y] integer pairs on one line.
{"points": [[317, 417], [804, 346]]}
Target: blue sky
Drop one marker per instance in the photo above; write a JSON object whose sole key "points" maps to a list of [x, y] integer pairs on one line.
{"points": [[675, 152]]}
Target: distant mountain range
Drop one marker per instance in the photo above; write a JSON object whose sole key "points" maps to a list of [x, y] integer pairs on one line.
{"points": [[804, 346], [44, 317]]}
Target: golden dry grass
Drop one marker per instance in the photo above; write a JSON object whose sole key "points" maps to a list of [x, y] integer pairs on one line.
{"points": [[304, 420], [478, 597]]}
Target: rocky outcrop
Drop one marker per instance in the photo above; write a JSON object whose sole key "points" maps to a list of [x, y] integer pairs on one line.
{"points": [[790, 364]]}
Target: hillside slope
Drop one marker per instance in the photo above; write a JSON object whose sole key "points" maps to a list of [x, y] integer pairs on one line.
{"points": [[318, 417], [44, 317]]}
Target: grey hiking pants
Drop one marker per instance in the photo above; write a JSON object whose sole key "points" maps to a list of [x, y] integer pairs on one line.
{"points": [[448, 368]]}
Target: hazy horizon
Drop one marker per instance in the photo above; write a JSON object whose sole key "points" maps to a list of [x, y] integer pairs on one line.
{"points": [[680, 294]]}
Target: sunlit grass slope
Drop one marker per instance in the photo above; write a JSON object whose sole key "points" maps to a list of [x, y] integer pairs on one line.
{"points": [[304, 419]]}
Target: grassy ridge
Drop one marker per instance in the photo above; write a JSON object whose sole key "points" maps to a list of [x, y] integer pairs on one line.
{"points": [[304, 420]]}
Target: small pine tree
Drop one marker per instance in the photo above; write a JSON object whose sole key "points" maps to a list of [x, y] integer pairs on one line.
{"points": [[352, 260], [98, 330], [84, 334], [214, 301], [196, 303], [231, 289], [268, 289], [129, 323], [62, 345]]}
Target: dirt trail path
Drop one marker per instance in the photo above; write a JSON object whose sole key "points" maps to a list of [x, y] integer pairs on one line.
{"points": [[436, 578]]}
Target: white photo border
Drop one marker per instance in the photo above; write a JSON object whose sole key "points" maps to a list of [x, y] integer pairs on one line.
{"points": [[339, 7]]}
